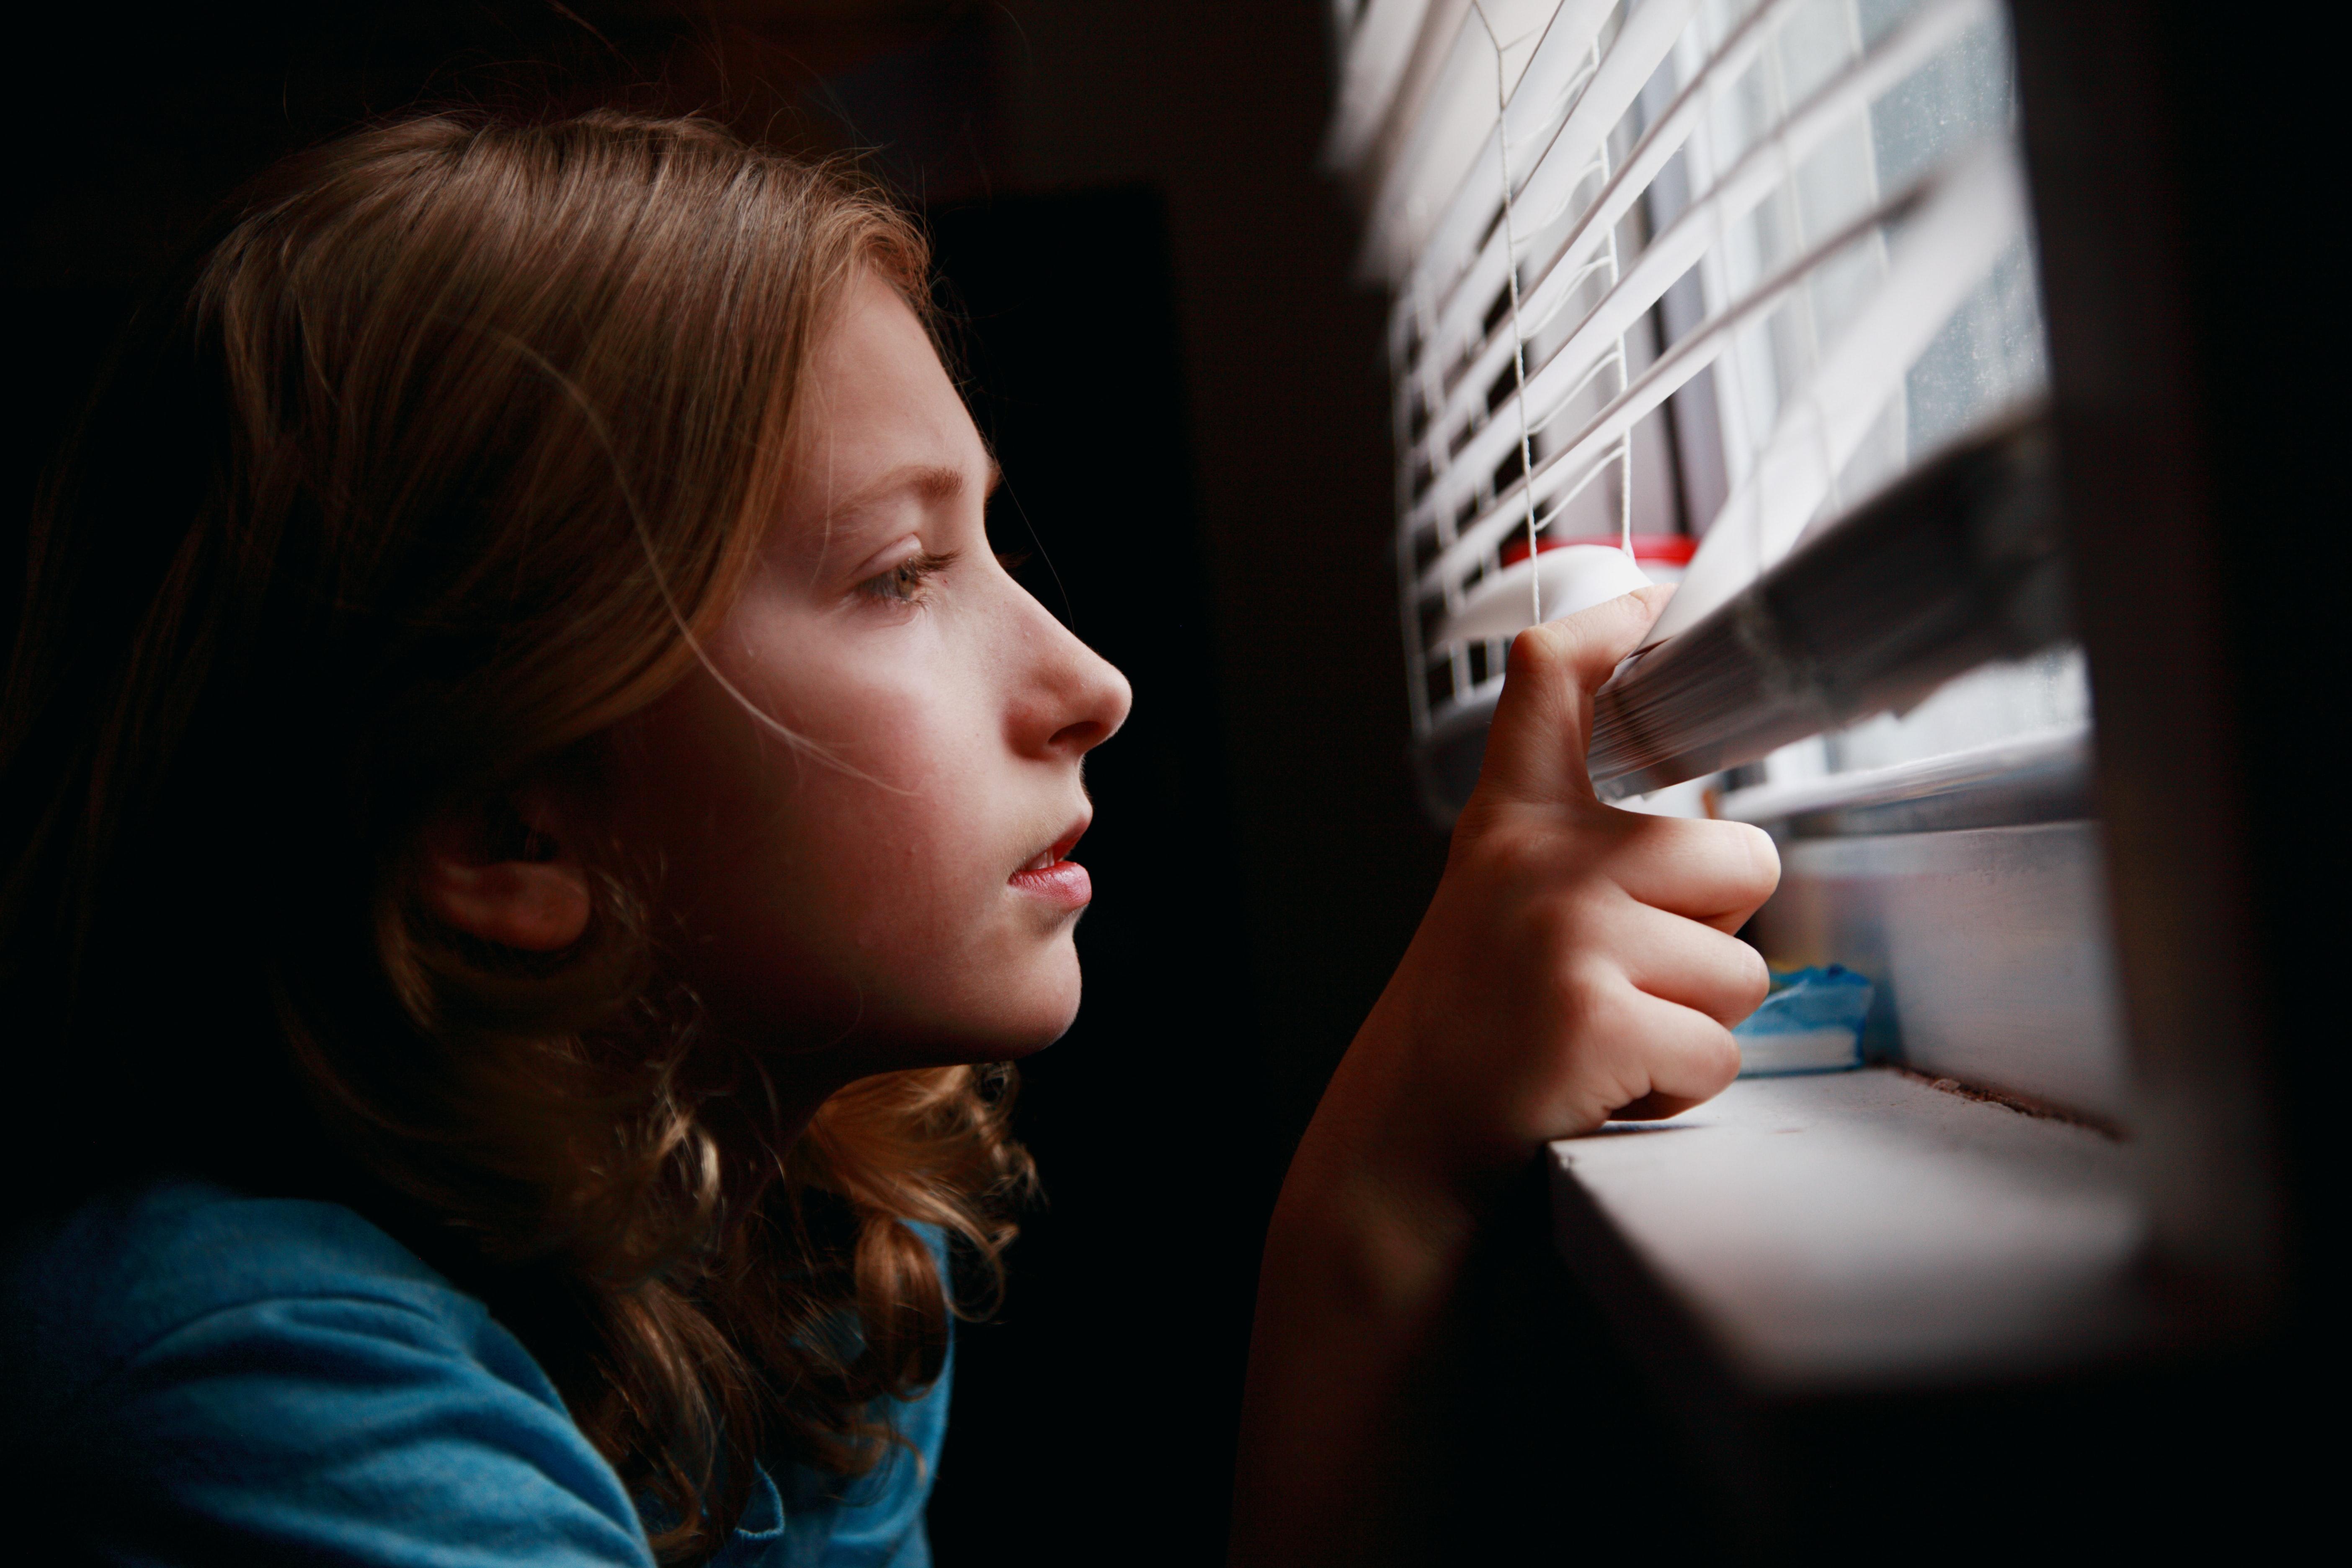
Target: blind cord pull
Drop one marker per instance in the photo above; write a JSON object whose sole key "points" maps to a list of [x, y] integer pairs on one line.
{"points": [[1518, 343]]}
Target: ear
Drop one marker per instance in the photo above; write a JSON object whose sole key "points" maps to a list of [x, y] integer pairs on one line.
{"points": [[504, 872]]}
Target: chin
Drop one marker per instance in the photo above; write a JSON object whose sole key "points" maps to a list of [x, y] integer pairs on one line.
{"points": [[1037, 1008], [968, 1047], [1029, 1026], [1025, 1035], [1000, 1012]]}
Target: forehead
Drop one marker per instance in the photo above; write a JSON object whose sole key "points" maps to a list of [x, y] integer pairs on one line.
{"points": [[876, 400]]}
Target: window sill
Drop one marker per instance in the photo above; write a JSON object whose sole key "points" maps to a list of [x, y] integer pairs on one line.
{"points": [[1858, 1231]]}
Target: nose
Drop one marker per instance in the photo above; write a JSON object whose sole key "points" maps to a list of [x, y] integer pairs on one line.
{"points": [[1109, 699], [1077, 698]]}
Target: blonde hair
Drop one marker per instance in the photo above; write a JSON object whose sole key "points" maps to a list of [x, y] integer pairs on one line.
{"points": [[430, 469]]}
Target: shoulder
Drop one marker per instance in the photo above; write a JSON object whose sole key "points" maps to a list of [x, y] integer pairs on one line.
{"points": [[196, 1373], [84, 1293]]}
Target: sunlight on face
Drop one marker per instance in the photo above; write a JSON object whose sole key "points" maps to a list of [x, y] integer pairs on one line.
{"points": [[899, 904]]}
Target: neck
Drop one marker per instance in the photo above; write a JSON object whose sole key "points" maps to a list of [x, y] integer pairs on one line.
{"points": [[772, 1095]]}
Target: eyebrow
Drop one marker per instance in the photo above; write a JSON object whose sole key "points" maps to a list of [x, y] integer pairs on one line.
{"points": [[933, 482]]}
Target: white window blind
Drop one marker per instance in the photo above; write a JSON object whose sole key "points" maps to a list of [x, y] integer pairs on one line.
{"points": [[1687, 277]]}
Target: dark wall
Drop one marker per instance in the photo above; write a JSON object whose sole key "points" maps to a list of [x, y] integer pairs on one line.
{"points": [[1149, 283], [1221, 105], [1135, 1275]]}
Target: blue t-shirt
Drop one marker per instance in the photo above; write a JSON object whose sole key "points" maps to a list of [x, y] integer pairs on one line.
{"points": [[191, 1376]]}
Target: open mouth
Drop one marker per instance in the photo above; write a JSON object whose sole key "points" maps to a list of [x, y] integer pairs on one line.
{"points": [[1050, 875], [1047, 858]]}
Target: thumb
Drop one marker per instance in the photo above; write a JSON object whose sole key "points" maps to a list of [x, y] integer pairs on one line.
{"points": [[1543, 721]]}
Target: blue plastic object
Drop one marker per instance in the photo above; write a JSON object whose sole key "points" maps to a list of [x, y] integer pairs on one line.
{"points": [[1810, 1023]]}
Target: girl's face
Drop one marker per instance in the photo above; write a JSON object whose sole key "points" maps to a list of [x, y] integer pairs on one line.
{"points": [[896, 890]]}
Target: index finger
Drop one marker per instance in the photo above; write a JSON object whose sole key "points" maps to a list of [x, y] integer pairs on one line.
{"points": [[1543, 720]]}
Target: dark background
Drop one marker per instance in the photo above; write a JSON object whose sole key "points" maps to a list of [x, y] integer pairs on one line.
{"points": [[1149, 285]]}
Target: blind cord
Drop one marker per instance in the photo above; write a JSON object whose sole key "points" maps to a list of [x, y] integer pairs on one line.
{"points": [[1714, 207], [1624, 376], [1518, 343], [1577, 81], [1518, 336]]}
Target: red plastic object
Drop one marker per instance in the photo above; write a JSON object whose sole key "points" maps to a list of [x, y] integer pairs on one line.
{"points": [[1665, 548]]}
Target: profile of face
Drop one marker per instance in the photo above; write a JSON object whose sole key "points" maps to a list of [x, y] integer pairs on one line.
{"points": [[856, 813]]}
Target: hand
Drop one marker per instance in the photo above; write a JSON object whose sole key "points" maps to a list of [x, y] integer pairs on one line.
{"points": [[1577, 963]]}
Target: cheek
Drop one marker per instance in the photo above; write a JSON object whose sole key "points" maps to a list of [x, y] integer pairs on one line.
{"points": [[795, 876], [911, 908], [901, 876], [812, 898]]}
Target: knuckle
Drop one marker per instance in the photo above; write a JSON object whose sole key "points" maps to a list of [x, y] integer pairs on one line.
{"points": [[1555, 931], [1740, 854], [1685, 849], [1581, 991], [1533, 651], [1719, 1061], [1601, 830], [1527, 650], [1674, 843], [1754, 981], [1592, 641], [1480, 820], [1499, 844], [1763, 860]]}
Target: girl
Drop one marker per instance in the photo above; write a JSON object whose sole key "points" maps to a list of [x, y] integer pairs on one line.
{"points": [[535, 814]]}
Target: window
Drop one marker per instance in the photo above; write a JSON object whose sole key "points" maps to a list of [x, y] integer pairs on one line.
{"points": [[1877, 653], [1748, 290], [1699, 277]]}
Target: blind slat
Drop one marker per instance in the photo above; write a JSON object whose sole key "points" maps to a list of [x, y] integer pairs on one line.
{"points": [[1701, 225], [1547, 190], [1582, 207], [1961, 562], [1937, 260], [1639, 50], [1372, 70], [1443, 147], [1693, 353]]}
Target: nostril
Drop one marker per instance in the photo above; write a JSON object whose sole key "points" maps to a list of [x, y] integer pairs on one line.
{"points": [[1085, 700]]}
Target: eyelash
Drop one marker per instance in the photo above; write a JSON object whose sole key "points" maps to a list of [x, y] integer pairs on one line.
{"points": [[904, 583]]}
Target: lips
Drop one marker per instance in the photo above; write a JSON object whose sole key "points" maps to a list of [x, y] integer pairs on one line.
{"points": [[1060, 850], [1049, 875]]}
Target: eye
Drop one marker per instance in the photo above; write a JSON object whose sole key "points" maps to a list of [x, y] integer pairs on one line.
{"points": [[907, 583]]}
